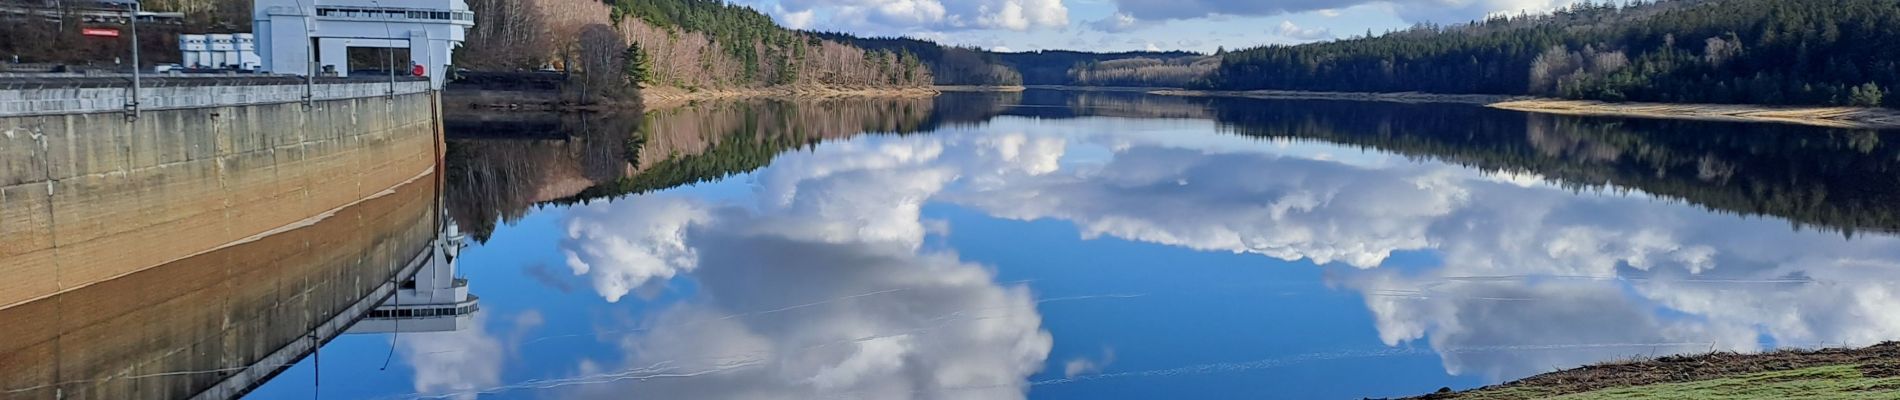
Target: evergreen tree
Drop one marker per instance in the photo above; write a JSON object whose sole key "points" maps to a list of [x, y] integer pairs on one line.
{"points": [[639, 68], [1868, 95]]}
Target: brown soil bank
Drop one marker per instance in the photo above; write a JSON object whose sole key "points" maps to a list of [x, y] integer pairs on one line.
{"points": [[1832, 117], [1870, 373]]}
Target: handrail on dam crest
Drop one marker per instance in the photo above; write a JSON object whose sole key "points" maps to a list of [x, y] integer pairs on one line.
{"points": [[26, 96]]}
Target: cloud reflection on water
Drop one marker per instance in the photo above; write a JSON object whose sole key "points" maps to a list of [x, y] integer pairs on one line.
{"points": [[821, 289], [1524, 277]]}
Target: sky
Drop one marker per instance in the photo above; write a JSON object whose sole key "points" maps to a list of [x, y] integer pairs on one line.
{"points": [[1122, 25]]}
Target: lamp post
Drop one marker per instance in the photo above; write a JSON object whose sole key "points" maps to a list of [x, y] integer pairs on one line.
{"points": [[389, 53], [132, 103], [310, 57]]}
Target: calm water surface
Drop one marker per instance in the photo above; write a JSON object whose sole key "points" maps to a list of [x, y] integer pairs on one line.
{"points": [[1057, 245]]}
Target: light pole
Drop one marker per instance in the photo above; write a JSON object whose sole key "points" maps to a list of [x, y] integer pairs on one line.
{"points": [[389, 53], [132, 103], [310, 57], [137, 68]]}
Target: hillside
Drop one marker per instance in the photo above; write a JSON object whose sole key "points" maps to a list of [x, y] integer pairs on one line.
{"points": [[1829, 52], [951, 65], [687, 44], [1056, 67], [1179, 71]]}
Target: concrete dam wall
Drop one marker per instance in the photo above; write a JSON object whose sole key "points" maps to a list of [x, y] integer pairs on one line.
{"points": [[216, 324], [89, 197]]}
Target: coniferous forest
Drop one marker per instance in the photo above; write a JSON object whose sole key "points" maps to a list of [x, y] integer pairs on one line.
{"points": [[1817, 52]]}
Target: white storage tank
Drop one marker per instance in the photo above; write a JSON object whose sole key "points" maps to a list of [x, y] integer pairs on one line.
{"points": [[190, 42], [223, 50], [193, 51], [247, 52]]}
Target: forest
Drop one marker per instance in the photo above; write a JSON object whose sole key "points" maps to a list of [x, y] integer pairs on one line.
{"points": [[687, 44], [1816, 52], [955, 65], [1144, 71], [951, 65], [1052, 67]]}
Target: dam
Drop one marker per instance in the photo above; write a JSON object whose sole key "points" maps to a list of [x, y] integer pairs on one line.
{"points": [[216, 236]]}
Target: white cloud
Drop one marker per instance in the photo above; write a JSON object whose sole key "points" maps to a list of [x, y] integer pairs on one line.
{"points": [[1080, 366], [897, 16], [822, 290], [453, 362], [1118, 23], [1308, 210], [1442, 11], [1290, 30], [623, 250], [797, 20]]}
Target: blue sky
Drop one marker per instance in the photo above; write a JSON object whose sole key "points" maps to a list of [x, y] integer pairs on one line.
{"points": [[1116, 25]]}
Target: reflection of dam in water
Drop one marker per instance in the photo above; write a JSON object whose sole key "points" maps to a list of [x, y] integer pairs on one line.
{"points": [[433, 299], [213, 324], [199, 250]]}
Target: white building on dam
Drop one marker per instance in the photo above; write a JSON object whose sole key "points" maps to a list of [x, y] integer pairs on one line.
{"points": [[290, 32]]}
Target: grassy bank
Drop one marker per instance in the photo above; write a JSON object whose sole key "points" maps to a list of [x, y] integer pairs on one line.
{"points": [[1864, 373]]}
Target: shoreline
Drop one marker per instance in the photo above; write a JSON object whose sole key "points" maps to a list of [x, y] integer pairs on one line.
{"points": [[1827, 117], [656, 98], [1115, 89], [1830, 117], [1399, 97], [1865, 371], [653, 98], [979, 88], [668, 97]]}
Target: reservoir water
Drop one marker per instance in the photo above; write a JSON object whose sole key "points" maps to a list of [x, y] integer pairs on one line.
{"points": [[1089, 245]]}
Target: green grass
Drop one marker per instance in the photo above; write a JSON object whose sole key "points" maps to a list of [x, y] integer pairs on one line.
{"points": [[1825, 382]]}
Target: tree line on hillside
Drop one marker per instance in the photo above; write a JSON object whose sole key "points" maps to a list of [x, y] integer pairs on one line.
{"points": [[1054, 67], [617, 45], [1835, 52], [958, 65], [950, 65], [1143, 71]]}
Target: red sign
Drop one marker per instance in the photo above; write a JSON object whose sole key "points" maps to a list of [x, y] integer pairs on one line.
{"points": [[100, 32]]}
